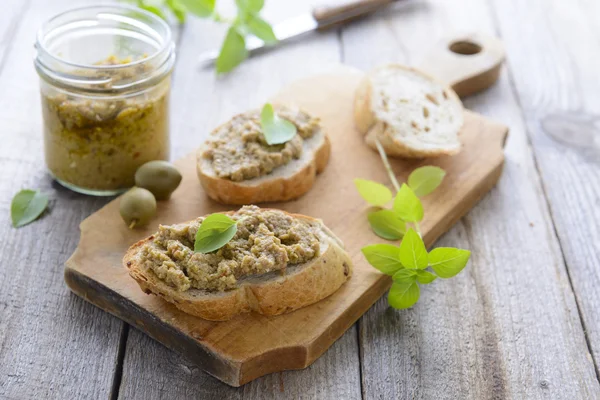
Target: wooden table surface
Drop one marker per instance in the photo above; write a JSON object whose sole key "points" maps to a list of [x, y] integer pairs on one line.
{"points": [[521, 322]]}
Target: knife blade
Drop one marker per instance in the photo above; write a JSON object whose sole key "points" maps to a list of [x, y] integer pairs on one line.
{"points": [[319, 19]]}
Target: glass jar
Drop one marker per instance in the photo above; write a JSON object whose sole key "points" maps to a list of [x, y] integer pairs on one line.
{"points": [[105, 81]]}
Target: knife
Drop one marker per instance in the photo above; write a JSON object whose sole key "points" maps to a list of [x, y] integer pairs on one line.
{"points": [[321, 18]]}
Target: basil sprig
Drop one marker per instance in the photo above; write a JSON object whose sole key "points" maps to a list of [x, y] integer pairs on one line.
{"points": [[247, 22], [409, 263]]}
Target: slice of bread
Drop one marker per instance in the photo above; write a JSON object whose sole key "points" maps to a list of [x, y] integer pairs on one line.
{"points": [[411, 114], [272, 293], [284, 183]]}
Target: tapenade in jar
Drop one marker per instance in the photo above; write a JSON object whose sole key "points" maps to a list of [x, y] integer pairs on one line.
{"points": [[105, 95]]}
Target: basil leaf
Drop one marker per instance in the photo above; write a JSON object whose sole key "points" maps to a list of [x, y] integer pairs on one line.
{"points": [[425, 180], [425, 277], [201, 8], [407, 205], [252, 6], [233, 51], [210, 240], [177, 9], [260, 28], [413, 254], [374, 193], [215, 232], [403, 294], [448, 261], [384, 257], [275, 129], [387, 225], [27, 206], [220, 222], [403, 275]]}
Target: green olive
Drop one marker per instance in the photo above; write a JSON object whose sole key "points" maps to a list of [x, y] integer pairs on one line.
{"points": [[159, 177], [137, 207]]}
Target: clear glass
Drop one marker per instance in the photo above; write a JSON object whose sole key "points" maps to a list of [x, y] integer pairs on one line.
{"points": [[105, 82]]}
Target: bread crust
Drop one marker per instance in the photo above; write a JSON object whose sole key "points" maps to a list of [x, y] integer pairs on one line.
{"points": [[367, 123], [304, 285], [282, 188]]}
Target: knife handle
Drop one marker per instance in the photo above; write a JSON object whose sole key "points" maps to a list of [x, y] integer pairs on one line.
{"points": [[330, 16]]}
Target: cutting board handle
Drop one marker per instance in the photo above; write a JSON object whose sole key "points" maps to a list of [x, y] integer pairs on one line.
{"points": [[469, 63]]}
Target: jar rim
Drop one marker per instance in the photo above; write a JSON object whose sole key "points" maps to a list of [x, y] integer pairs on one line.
{"points": [[43, 31], [103, 79]]}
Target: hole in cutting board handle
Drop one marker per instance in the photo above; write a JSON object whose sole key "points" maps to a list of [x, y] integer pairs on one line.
{"points": [[465, 47], [469, 62]]}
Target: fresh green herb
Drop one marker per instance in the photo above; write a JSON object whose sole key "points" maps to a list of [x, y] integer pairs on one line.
{"points": [[374, 193], [246, 22], [407, 205], [384, 257], [386, 224], [233, 51], [276, 130], [250, 5], [177, 8], [425, 277], [200, 8], [448, 261], [404, 275], [215, 232], [404, 294], [413, 254], [425, 180], [27, 206], [408, 264], [260, 28]]}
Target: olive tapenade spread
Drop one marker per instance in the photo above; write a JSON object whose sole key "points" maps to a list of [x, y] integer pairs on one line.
{"points": [[99, 142], [238, 149], [266, 240]]}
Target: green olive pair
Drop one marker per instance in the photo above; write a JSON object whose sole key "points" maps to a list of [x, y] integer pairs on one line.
{"points": [[155, 180]]}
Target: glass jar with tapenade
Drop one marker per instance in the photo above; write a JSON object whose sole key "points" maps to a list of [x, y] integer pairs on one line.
{"points": [[105, 82]]}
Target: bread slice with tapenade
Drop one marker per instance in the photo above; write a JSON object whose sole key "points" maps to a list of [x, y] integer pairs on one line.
{"points": [[408, 112], [237, 166], [277, 262]]}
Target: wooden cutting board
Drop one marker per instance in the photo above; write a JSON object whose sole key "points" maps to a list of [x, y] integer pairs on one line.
{"points": [[251, 345]]}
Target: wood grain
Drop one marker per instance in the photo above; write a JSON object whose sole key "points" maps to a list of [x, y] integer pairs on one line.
{"points": [[252, 345], [508, 326], [202, 102], [159, 372], [562, 96], [52, 344], [468, 62]]}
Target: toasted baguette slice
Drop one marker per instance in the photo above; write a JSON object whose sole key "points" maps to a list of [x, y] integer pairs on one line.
{"points": [[284, 183], [411, 114], [272, 293]]}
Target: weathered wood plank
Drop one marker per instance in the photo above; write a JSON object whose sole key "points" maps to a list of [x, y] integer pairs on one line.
{"points": [[153, 371], [10, 20], [52, 344], [201, 102], [555, 73], [508, 326]]}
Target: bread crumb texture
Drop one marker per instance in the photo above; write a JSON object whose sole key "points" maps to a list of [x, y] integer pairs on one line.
{"points": [[416, 110], [238, 149], [266, 240]]}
